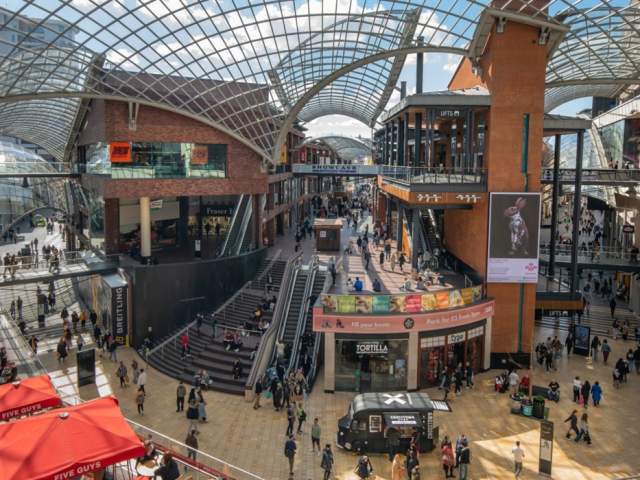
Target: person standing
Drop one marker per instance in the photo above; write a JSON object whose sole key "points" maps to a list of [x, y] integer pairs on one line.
{"points": [[184, 341], [122, 375], [584, 430], [393, 441], [469, 375], [315, 436], [577, 387], [290, 448], [113, 346], [585, 391], [514, 381], [291, 417], [258, 390], [596, 394], [192, 442], [140, 396], [518, 458], [465, 460], [573, 423], [202, 411], [381, 258], [364, 468], [142, 380], [606, 350], [612, 305], [595, 344], [302, 416], [181, 392], [192, 411], [327, 461]]}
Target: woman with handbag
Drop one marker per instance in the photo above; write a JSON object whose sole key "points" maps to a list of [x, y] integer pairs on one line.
{"points": [[192, 413], [447, 460], [364, 469]]}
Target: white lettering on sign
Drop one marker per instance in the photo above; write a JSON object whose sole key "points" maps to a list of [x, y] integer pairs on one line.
{"points": [[468, 198], [429, 197], [456, 337], [371, 348], [404, 419], [16, 412], [77, 471], [399, 398]]}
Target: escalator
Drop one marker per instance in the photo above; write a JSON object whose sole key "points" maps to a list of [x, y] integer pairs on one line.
{"points": [[309, 350], [431, 234], [289, 328], [239, 225]]}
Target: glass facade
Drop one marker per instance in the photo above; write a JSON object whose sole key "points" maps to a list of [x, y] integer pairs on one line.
{"points": [[157, 160], [613, 143], [371, 365]]}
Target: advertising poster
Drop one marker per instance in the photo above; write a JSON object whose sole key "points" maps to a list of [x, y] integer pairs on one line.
{"points": [[477, 293], [514, 231], [329, 303], [200, 154], [442, 299], [346, 304], [364, 303], [413, 303], [455, 298], [467, 295], [397, 303], [429, 302], [583, 340], [381, 303]]}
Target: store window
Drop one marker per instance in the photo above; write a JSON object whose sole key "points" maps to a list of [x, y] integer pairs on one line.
{"points": [[475, 348], [432, 362], [371, 365]]}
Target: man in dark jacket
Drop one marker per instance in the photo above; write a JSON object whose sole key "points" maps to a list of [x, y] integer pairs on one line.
{"points": [[290, 452], [256, 402], [465, 460], [169, 469]]}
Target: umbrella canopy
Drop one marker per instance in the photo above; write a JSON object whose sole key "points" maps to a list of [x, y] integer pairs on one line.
{"points": [[27, 396], [67, 442]]}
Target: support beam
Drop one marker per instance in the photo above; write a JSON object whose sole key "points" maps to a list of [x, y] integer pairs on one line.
{"points": [[577, 200], [554, 204], [145, 227]]}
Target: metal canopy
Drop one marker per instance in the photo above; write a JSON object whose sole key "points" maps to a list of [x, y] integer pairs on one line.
{"points": [[253, 67]]}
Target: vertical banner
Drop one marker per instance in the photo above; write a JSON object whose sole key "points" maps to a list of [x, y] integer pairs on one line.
{"points": [[514, 232], [582, 340], [119, 314], [546, 448]]}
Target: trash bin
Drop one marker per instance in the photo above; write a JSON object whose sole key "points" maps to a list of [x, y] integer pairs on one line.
{"points": [[538, 407], [527, 408]]}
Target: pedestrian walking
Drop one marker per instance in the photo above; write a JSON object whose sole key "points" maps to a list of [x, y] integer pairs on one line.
{"points": [[595, 345], [315, 435], [393, 442], [192, 442], [202, 411], [79, 341], [290, 419], [577, 388], [113, 346], [596, 393], [122, 375], [465, 460], [142, 380], [584, 433], [447, 460], [381, 257], [192, 411], [302, 416], [326, 464], [140, 396], [612, 305], [573, 423], [290, 448], [258, 391], [585, 391], [518, 458], [606, 351], [364, 469], [181, 392]]}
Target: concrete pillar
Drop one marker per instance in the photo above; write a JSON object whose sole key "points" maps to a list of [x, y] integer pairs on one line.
{"points": [[405, 139], [415, 235], [145, 227], [554, 204], [417, 136], [487, 344], [413, 361], [577, 200], [401, 141], [183, 221], [329, 362]]}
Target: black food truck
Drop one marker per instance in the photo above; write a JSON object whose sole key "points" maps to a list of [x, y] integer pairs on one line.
{"points": [[374, 417]]}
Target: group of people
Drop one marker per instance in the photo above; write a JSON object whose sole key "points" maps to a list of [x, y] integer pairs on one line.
{"points": [[460, 458]]}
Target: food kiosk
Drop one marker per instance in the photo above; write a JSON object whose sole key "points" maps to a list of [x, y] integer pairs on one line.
{"points": [[327, 232], [372, 416]]}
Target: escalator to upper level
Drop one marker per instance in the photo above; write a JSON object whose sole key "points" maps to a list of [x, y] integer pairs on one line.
{"points": [[238, 229], [431, 234], [290, 325], [309, 349]]}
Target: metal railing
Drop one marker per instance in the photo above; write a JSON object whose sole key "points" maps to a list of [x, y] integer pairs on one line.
{"points": [[595, 255], [155, 170], [435, 175], [317, 340], [29, 361], [264, 355], [603, 175], [56, 264]]}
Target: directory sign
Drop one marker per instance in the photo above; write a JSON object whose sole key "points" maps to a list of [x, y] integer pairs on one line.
{"points": [[545, 457], [514, 232]]}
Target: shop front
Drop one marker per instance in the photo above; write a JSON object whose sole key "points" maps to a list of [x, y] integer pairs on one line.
{"points": [[442, 350], [371, 365]]}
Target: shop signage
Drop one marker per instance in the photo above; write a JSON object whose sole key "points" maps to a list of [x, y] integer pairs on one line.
{"points": [[546, 448], [358, 323], [401, 420], [217, 210], [372, 348], [335, 169], [155, 205], [628, 229], [17, 412], [429, 425], [119, 314], [456, 338], [448, 113], [375, 423], [120, 152], [200, 154]]}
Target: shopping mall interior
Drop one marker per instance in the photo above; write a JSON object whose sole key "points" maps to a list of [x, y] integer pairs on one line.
{"points": [[319, 239]]}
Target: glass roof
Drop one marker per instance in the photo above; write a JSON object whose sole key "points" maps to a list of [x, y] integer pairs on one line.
{"points": [[348, 149], [251, 67]]}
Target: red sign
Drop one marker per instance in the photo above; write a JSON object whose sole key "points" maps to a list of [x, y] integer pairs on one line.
{"points": [[120, 152], [402, 323]]}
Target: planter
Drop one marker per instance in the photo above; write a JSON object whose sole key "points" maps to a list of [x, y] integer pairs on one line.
{"points": [[527, 410]]}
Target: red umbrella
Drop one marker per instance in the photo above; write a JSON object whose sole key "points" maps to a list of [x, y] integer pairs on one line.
{"points": [[27, 396], [67, 442]]}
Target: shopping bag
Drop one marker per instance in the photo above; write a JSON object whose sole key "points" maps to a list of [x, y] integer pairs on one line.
{"points": [[268, 394]]}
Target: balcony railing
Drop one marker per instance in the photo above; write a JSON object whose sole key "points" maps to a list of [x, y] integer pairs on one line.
{"points": [[157, 170], [435, 175]]}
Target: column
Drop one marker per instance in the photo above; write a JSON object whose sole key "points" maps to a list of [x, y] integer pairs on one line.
{"points": [[183, 221], [401, 141], [111, 225], [394, 142], [388, 208], [405, 140], [428, 144], [329, 362], [415, 237], [385, 145], [468, 139], [554, 205], [487, 343], [399, 226], [413, 361], [577, 200], [145, 227], [417, 135]]}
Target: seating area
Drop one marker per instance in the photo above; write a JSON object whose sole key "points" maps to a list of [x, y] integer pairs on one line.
{"points": [[207, 349]]}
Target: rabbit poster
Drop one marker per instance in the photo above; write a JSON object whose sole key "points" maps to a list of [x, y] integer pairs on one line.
{"points": [[514, 230]]}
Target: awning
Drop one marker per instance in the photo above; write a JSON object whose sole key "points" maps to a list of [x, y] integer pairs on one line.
{"points": [[402, 420], [440, 405], [67, 442], [27, 396]]}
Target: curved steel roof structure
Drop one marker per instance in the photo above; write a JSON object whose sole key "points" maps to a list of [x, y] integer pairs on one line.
{"points": [[346, 148], [252, 67]]}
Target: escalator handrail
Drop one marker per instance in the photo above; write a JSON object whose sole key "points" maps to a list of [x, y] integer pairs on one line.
{"points": [[302, 316], [233, 223], [263, 349]]}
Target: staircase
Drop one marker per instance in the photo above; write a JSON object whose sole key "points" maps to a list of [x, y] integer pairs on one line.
{"points": [[276, 270]]}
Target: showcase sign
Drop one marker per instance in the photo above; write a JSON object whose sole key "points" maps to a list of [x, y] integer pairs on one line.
{"points": [[354, 323], [514, 232]]}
